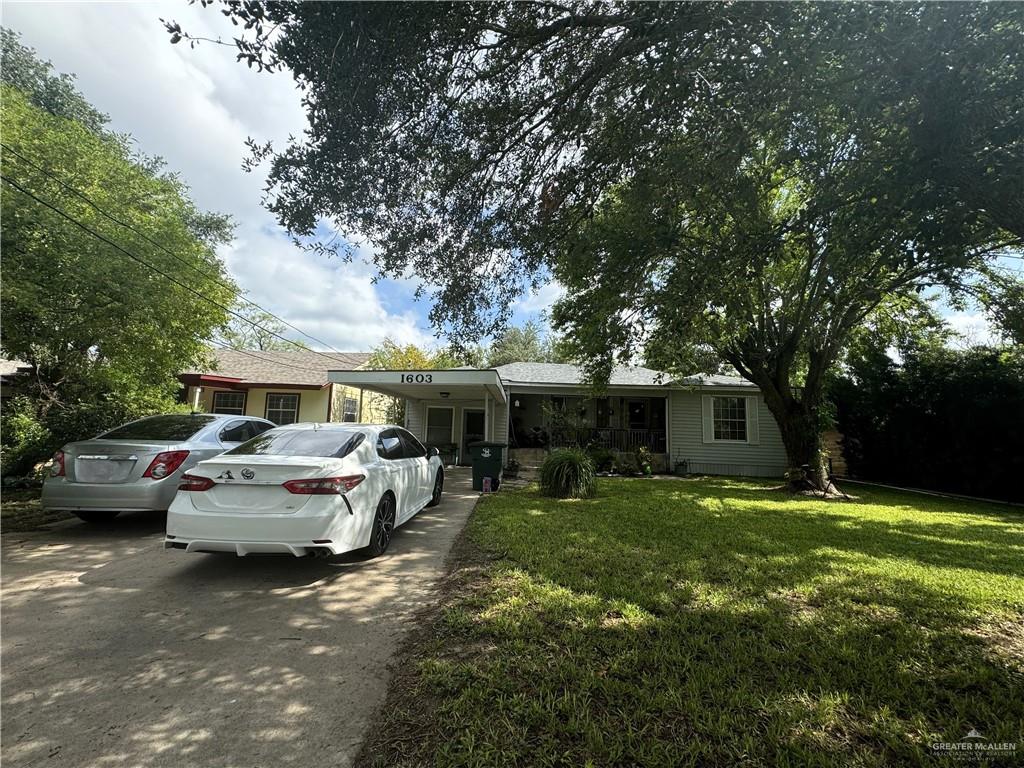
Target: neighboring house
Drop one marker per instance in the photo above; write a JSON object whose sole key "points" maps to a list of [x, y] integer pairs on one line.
{"points": [[11, 372], [284, 387], [715, 424]]}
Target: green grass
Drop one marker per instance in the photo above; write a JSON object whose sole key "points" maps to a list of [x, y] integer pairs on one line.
{"points": [[717, 622]]}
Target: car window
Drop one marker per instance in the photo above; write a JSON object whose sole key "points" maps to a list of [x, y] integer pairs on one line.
{"points": [[327, 443], [413, 448], [169, 427], [237, 431], [389, 445], [259, 427]]}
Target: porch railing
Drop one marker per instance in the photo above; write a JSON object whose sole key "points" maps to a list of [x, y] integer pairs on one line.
{"points": [[616, 439]]}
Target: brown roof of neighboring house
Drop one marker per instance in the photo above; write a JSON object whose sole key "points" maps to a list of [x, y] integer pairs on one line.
{"points": [[280, 368]]}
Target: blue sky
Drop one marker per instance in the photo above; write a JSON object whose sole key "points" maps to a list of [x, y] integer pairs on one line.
{"points": [[195, 108]]}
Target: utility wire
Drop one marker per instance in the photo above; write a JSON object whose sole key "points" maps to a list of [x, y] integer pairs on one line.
{"points": [[146, 264], [255, 354], [176, 257]]}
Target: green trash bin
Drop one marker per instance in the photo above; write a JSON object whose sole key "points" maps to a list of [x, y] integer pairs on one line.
{"points": [[487, 459]]}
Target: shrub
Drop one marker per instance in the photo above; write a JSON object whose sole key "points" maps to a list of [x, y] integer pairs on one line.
{"points": [[567, 474], [26, 440], [603, 458], [627, 464]]}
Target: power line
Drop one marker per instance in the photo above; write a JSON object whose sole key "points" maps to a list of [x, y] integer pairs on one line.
{"points": [[146, 264], [162, 247], [255, 354]]}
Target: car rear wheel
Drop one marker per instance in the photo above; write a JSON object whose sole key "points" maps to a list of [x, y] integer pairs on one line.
{"points": [[383, 525], [97, 516], [435, 497]]}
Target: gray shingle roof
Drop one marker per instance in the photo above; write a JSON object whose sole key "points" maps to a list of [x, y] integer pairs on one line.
{"points": [[291, 367], [561, 373], [715, 380]]}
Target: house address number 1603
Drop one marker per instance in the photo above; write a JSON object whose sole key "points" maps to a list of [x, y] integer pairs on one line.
{"points": [[417, 378]]}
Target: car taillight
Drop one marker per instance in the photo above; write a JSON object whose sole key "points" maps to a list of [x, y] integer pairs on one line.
{"points": [[57, 464], [322, 486], [195, 483], [165, 463]]}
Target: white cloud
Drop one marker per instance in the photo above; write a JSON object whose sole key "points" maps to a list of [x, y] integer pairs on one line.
{"points": [[329, 299], [972, 328], [539, 302], [195, 108]]}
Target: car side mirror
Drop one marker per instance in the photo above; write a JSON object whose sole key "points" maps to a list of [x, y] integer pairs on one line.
{"points": [[433, 451]]}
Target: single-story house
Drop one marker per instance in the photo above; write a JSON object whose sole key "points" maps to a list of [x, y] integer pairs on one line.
{"points": [[715, 424], [284, 387]]}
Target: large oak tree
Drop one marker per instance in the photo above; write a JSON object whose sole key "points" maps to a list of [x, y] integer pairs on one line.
{"points": [[749, 180]]}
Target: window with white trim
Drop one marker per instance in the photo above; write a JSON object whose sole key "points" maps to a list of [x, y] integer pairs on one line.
{"points": [[350, 410], [229, 402], [729, 418], [282, 408], [440, 421]]}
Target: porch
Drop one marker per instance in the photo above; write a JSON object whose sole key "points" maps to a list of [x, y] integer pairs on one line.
{"points": [[617, 422]]}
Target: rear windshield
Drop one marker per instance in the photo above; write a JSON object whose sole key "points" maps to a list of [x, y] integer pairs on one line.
{"points": [[172, 427], [329, 443]]}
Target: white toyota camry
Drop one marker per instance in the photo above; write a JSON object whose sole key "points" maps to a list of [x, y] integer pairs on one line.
{"points": [[306, 489]]}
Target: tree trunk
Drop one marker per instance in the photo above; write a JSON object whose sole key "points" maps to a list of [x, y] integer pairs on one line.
{"points": [[800, 436]]}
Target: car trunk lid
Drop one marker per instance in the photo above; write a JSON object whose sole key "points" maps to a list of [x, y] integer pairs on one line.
{"points": [[112, 461], [255, 484]]}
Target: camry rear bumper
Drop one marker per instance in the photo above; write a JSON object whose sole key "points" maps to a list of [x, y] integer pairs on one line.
{"points": [[250, 533], [243, 548]]}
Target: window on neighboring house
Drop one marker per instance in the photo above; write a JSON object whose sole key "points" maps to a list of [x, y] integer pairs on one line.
{"points": [[229, 402], [282, 408], [729, 416], [350, 409]]}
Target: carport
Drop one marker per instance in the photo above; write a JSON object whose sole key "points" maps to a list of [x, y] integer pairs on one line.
{"points": [[447, 408]]}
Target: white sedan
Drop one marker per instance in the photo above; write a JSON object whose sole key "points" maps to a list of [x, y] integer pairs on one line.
{"points": [[306, 489]]}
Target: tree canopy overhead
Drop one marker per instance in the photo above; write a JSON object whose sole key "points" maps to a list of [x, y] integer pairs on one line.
{"points": [[748, 180]]}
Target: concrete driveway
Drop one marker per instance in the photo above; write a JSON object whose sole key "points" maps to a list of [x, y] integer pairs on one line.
{"points": [[117, 652]]}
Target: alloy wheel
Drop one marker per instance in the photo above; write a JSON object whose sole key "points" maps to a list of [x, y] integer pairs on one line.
{"points": [[385, 522]]}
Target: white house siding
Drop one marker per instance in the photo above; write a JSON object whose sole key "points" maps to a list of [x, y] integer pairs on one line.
{"points": [[686, 441], [499, 431]]}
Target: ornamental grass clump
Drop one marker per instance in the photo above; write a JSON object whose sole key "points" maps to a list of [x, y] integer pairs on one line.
{"points": [[567, 474]]}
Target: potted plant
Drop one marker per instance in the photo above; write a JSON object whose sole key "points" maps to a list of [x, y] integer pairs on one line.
{"points": [[643, 459]]}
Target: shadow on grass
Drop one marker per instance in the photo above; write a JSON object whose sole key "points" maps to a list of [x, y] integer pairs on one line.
{"points": [[716, 623]]}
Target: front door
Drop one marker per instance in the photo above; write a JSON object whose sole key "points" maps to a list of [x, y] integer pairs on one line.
{"points": [[472, 430]]}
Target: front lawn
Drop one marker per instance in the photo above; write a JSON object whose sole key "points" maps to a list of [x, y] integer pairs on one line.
{"points": [[716, 622]]}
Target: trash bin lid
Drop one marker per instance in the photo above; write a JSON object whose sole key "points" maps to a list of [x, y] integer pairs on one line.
{"points": [[487, 444]]}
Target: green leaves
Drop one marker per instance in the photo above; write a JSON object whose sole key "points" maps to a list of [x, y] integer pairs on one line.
{"points": [[107, 332], [568, 473]]}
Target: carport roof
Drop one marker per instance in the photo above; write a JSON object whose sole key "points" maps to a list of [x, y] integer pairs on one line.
{"points": [[448, 383]]}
